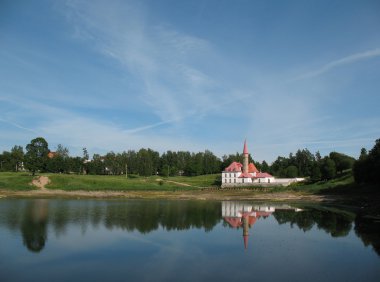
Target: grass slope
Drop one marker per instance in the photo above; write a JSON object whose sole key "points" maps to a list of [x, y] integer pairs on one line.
{"points": [[15, 181], [21, 181]]}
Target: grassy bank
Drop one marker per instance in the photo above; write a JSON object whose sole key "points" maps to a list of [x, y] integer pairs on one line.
{"points": [[21, 181], [15, 181]]}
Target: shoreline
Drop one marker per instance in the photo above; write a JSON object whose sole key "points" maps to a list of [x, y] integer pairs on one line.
{"points": [[174, 195]]}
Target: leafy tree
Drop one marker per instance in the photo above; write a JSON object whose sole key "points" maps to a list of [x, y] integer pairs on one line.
{"points": [[366, 169], [342, 161], [36, 155], [316, 173], [6, 161], [328, 168], [264, 166], [17, 156], [291, 171], [62, 151], [363, 154]]}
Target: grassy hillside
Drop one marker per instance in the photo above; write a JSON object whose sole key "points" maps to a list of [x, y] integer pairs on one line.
{"points": [[21, 181], [15, 181]]}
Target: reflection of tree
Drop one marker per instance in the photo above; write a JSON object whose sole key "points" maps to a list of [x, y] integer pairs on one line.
{"points": [[146, 216], [368, 231], [336, 224], [34, 225]]}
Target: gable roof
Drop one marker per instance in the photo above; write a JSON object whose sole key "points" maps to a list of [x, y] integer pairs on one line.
{"points": [[252, 168], [234, 167]]}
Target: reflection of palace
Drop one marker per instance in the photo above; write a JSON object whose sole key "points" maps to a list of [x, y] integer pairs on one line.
{"points": [[243, 215]]}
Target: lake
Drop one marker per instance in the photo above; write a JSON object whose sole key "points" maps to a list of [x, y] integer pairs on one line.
{"points": [[156, 240]]}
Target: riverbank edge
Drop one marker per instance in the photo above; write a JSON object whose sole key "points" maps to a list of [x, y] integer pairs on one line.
{"points": [[175, 195]]}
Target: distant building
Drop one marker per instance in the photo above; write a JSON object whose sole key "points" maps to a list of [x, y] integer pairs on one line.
{"points": [[246, 174], [237, 174], [51, 154]]}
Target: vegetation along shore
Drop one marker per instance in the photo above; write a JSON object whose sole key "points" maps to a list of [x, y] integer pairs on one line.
{"points": [[42, 173]]}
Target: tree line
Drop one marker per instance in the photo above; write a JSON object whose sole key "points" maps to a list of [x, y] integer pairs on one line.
{"points": [[146, 162]]}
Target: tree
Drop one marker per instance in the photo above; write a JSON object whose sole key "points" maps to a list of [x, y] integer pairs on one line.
{"points": [[291, 171], [264, 166], [366, 169], [62, 151], [316, 173], [36, 155], [17, 157], [342, 161], [328, 169]]}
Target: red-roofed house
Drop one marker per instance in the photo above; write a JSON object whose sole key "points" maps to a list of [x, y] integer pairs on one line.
{"points": [[237, 174]]}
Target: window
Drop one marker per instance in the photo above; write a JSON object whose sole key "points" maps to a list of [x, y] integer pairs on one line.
{"points": [[268, 180], [235, 180], [243, 180], [230, 180]]}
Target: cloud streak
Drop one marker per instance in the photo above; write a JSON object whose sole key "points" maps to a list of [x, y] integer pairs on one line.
{"points": [[161, 60], [341, 62], [17, 125]]}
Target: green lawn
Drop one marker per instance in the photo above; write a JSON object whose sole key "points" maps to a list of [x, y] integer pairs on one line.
{"points": [[112, 183], [15, 181], [21, 181]]}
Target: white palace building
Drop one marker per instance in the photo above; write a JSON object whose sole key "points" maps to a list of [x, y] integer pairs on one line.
{"points": [[237, 174]]}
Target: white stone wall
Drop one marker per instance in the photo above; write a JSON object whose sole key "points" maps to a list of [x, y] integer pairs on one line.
{"points": [[231, 178]]}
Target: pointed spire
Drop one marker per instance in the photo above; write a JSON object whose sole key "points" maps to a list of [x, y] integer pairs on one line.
{"points": [[245, 241], [245, 151]]}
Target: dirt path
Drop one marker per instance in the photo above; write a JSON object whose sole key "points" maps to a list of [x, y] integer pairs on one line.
{"points": [[41, 182]]}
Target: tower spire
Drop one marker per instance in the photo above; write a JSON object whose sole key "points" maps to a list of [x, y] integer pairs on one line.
{"points": [[245, 158], [245, 150]]}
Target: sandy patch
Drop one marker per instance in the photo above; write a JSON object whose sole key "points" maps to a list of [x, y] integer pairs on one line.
{"points": [[41, 182]]}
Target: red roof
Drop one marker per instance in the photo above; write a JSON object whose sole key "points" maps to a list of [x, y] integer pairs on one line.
{"points": [[245, 175], [252, 168], [234, 222], [235, 166], [245, 150], [262, 175], [51, 154]]}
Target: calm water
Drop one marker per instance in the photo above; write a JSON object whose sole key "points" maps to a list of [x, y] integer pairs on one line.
{"points": [[93, 240]]}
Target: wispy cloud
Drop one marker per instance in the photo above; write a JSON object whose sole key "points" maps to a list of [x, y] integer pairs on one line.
{"points": [[161, 58], [17, 125], [343, 61]]}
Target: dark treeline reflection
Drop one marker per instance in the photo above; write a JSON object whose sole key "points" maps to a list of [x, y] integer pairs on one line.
{"points": [[336, 224], [35, 219]]}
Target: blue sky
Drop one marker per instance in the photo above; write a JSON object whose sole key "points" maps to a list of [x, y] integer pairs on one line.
{"points": [[191, 75]]}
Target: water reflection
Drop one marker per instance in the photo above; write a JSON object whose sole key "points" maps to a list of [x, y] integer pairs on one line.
{"points": [[244, 215], [35, 218], [34, 225]]}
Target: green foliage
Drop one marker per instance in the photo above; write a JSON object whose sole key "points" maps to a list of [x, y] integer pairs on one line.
{"points": [[342, 161], [328, 169], [316, 174], [36, 155], [291, 171], [367, 168], [15, 181], [17, 157]]}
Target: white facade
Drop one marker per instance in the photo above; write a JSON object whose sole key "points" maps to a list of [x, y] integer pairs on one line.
{"points": [[229, 178]]}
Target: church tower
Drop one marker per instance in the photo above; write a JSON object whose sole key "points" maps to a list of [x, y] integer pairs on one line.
{"points": [[245, 156]]}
